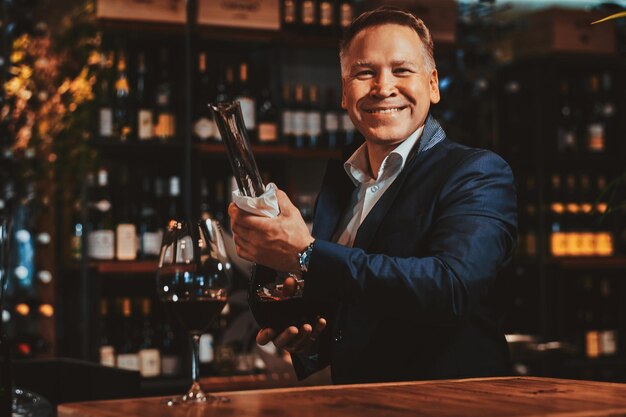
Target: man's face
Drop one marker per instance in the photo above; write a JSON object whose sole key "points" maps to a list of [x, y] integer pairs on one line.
{"points": [[386, 89]]}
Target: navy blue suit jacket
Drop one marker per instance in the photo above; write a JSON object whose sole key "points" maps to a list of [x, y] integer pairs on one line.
{"points": [[416, 296]]}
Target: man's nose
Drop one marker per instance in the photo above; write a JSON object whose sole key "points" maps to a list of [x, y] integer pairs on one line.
{"points": [[384, 85]]}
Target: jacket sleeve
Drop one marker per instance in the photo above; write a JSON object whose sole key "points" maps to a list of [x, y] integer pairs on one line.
{"points": [[473, 234]]}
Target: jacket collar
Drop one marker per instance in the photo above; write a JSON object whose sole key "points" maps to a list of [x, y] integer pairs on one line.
{"points": [[337, 190]]}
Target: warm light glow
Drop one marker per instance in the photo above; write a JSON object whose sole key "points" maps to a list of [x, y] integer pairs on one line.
{"points": [[46, 310], [22, 309]]}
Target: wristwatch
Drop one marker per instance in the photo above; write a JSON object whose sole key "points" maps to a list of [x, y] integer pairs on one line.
{"points": [[304, 257]]}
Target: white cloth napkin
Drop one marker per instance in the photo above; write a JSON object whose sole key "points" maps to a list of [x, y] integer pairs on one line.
{"points": [[264, 205]]}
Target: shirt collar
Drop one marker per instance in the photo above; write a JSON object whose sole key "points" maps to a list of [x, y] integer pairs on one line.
{"points": [[357, 166]]}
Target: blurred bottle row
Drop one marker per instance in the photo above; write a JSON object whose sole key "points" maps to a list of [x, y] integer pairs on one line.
{"points": [[138, 336], [143, 106], [575, 216], [322, 17]]}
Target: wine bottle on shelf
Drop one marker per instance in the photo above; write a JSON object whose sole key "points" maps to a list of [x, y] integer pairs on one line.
{"points": [[585, 199], [126, 230], [107, 348], [173, 209], [331, 122], [105, 102], [150, 224], [571, 217], [309, 16], [170, 351], [567, 141], [122, 112], [604, 238], [127, 356], [203, 124], [346, 13], [607, 326], [246, 101], [149, 354], [327, 17], [268, 123], [289, 14], [77, 230], [557, 208], [346, 129], [287, 116], [165, 129], [299, 119], [313, 119], [596, 128], [101, 236], [145, 115]]}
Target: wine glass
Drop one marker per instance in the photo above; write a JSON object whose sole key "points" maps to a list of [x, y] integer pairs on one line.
{"points": [[194, 280]]}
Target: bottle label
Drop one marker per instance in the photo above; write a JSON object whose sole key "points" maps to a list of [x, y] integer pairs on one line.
{"points": [[308, 12], [128, 361], [287, 122], [608, 342], [290, 11], [326, 13], [149, 362], [346, 123], [595, 137], [206, 348], [170, 365], [268, 132], [101, 244], [145, 130], [346, 15], [314, 123], [248, 111], [151, 243], [165, 126], [203, 128], [107, 355], [106, 122], [126, 242], [299, 123], [331, 122]]}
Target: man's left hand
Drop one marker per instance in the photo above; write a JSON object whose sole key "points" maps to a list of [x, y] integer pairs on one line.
{"points": [[272, 242]]}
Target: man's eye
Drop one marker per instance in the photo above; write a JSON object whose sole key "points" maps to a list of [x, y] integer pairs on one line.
{"points": [[364, 74], [402, 71]]}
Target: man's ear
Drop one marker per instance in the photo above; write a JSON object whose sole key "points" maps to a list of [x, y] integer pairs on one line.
{"points": [[434, 87], [343, 94]]}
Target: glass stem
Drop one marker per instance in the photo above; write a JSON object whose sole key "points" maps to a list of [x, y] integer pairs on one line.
{"points": [[195, 358]]}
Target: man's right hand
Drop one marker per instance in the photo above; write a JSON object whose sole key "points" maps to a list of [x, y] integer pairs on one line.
{"points": [[292, 339]]}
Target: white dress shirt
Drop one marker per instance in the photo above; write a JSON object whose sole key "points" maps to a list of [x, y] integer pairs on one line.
{"points": [[369, 190]]}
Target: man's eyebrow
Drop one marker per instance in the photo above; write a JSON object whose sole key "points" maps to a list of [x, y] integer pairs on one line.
{"points": [[396, 62], [362, 64]]}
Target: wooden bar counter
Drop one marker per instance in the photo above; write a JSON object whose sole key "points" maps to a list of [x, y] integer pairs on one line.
{"points": [[483, 397]]}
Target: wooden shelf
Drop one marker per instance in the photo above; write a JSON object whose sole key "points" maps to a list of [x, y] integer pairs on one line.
{"points": [[591, 262], [224, 33], [124, 267], [269, 152]]}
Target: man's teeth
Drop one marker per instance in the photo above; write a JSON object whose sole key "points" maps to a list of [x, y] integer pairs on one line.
{"points": [[395, 109]]}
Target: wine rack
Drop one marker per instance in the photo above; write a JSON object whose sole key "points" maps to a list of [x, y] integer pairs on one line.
{"points": [[559, 124]]}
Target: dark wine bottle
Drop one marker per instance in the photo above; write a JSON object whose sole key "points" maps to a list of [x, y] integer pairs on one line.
{"points": [[6, 377]]}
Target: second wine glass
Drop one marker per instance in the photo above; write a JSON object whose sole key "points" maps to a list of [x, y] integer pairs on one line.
{"points": [[194, 280]]}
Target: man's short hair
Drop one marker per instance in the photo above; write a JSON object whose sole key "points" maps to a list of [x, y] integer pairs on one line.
{"points": [[390, 15]]}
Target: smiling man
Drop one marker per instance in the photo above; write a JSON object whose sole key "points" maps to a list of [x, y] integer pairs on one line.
{"points": [[409, 232]]}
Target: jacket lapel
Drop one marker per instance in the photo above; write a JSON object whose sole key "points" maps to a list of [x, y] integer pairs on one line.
{"points": [[432, 134], [337, 190]]}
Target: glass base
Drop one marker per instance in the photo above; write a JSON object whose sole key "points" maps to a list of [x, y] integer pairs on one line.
{"points": [[195, 395], [29, 404]]}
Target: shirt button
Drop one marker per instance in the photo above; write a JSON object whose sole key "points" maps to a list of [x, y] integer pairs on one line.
{"points": [[374, 188]]}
